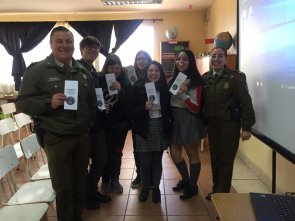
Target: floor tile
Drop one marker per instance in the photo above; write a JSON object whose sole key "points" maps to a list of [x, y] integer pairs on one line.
{"points": [[117, 207], [145, 218], [189, 218], [145, 208], [193, 206]]}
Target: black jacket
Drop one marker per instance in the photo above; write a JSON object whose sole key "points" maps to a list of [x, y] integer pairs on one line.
{"points": [[140, 116]]}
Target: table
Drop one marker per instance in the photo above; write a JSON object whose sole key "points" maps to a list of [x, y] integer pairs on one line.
{"points": [[233, 206]]}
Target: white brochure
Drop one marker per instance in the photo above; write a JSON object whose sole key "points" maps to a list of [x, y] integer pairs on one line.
{"points": [[100, 99], [131, 74], [110, 78], [151, 92], [71, 92], [176, 84]]}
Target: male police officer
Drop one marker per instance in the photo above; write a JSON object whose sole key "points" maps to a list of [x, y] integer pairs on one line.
{"points": [[66, 132]]}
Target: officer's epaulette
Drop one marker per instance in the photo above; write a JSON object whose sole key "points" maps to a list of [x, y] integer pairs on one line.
{"points": [[238, 72], [32, 64]]}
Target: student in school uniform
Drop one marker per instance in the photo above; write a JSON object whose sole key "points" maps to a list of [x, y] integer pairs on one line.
{"points": [[117, 122], [151, 126], [188, 128]]}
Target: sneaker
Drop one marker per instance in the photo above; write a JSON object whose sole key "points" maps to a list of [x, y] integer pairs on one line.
{"points": [[156, 195], [105, 187], [179, 186], [136, 182], [117, 187], [144, 193], [102, 198]]}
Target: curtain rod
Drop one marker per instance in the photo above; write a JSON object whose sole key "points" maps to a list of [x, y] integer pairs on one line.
{"points": [[148, 19], [153, 20]]}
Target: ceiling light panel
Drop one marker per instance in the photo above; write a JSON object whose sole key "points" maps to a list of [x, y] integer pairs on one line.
{"points": [[122, 2]]}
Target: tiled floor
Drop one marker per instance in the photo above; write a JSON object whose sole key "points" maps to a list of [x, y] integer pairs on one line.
{"points": [[126, 206]]}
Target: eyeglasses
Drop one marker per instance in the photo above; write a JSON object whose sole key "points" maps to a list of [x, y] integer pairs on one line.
{"points": [[92, 48]]}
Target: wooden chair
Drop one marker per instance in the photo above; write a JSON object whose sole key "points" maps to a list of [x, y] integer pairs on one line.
{"points": [[24, 212]]}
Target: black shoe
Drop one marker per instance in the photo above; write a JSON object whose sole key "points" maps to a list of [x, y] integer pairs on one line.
{"points": [[179, 186], [143, 195], [92, 205], [102, 198], [189, 192], [208, 197], [136, 182], [156, 195]]}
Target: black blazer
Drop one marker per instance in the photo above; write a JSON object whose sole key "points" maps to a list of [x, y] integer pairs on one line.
{"points": [[140, 116]]}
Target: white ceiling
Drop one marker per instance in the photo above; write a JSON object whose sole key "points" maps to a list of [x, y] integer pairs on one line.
{"points": [[90, 6]]}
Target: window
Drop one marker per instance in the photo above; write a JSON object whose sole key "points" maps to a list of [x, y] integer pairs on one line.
{"points": [[142, 39]]}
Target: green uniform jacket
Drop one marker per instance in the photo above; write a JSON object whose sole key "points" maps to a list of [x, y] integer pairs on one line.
{"points": [[43, 79], [224, 90]]}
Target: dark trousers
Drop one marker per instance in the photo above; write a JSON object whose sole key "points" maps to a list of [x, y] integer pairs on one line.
{"points": [[224, 142], [115, 137], [136, 157], [98, 158], [67, 161], [151, 165]]}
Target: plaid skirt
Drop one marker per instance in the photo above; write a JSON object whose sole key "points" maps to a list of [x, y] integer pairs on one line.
{"points": [[187, 127], [155, 139]]}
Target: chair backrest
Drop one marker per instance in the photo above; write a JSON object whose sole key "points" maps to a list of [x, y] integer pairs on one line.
{"points": [[22, 119], [8, 108], [6, 126], [30, 145], [8, 160]]}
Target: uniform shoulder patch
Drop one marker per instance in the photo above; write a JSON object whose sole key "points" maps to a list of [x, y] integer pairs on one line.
{"points": [[32, 64]]}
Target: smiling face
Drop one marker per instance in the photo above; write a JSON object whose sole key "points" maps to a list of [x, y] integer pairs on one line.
{"points": [[114, 68], [89, 53], [153, 73], [217, 59], [62, 46], [141, 61], [182, 62]]}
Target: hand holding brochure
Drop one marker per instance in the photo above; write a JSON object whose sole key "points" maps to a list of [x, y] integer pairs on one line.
{"points": [[100, 99], [110, 78], [151, 92], [71, 92], [176, 84], [131, 74]]}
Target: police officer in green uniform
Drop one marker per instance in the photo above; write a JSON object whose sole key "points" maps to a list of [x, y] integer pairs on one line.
{"points": [[227, 109], [66, 132]]}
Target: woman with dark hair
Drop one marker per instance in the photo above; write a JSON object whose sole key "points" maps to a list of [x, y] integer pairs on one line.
{"points": [[141, 64], [188, 127], [117, 122], [151, 124]]}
